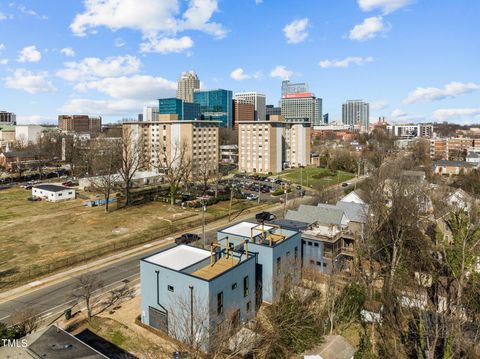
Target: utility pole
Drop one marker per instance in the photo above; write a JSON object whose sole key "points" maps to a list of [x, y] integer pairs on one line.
{"points": [[258, 200], [204, 208], [230, 206], [285, 203], [301, 175]]}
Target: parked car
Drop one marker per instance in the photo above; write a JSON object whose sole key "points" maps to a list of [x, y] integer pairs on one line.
{"points": [[187, 238], [252, 196], [344, 184], [265, 216], [299, 188]]}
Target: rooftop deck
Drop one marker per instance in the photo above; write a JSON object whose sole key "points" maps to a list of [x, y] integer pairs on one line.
{"points": [[211, 271]]}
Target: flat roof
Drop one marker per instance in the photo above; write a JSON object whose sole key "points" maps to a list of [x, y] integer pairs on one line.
{"points": [[244, 229], [178, 257], [211, 271], [52, 187]]}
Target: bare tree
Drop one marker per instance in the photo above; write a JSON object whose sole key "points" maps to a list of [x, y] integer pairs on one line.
{"points": [[88, 284], [28, 318], [132, 159], [107, 161], [176, 165]]}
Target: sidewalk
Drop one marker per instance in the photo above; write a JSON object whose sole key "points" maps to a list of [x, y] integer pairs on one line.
{"points": [[144, 248]]}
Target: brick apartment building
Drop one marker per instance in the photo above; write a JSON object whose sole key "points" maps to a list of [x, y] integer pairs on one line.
{"points": [[454, 148], [79, 123]]}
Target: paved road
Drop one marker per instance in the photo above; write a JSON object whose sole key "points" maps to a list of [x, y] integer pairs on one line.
{"points": [[53, 299]]}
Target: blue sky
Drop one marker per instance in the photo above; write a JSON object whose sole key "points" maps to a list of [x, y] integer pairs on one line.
{"points": [[413, 60]]}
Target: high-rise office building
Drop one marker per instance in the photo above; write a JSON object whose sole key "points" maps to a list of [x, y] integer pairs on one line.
{"points": [[356, 113], [243, 111], [290, 88], [187, 84], [302, 107], [188, 111], [272, 110], [79, 123], [7, 118], [325, 119], [258, 100], [215, 105]]}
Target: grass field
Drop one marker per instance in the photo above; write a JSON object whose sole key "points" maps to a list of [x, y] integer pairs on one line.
{"points": [[43, 236], [315, 177]]}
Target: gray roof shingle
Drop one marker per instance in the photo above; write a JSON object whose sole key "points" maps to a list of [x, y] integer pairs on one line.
{"points": [[323, 213]]}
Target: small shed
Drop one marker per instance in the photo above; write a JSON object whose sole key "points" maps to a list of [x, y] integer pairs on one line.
{"points": [[53, 192]]}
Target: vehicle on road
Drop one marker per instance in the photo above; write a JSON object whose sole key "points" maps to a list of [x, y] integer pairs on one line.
{"points": [[265, 216], [187, 238], [344, 184], [252, 196]]}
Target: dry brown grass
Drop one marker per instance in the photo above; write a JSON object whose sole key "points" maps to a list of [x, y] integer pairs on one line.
{"points": [[38, 237]]}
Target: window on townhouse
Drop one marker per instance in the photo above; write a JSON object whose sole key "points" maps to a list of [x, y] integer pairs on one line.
{"points": [[309, 243], [245, 286], [220, 303], [234, 286], [170, 288], [296, 253], [249, 306], [279, 265], [315, 244]]}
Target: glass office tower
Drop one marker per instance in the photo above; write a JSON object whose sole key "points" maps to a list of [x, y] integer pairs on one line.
{"points": [[215, 105], [185, 110]]}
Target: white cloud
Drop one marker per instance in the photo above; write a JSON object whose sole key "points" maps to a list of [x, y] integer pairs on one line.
{"points": [[296, 31], [35, 120], [450, 90], [346, 62], [136, 87], [398, 115], [68, 51], [91, 68], [198, 15], [464, 114], [281, 71], [158, 21], [368, 29], [378, 105], [386, 6], [239, 75], [30, 82], [23, 9], [119, 42], [2, 47], [2, 16], [258, 2], [166, 45], [127, 95], [119, 107], [29, 54]]}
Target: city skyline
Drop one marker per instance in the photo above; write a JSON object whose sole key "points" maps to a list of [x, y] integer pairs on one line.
{"points": [[89, 58]]}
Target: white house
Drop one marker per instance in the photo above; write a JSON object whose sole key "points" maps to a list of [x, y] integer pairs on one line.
{"points": [[53, 192]]}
